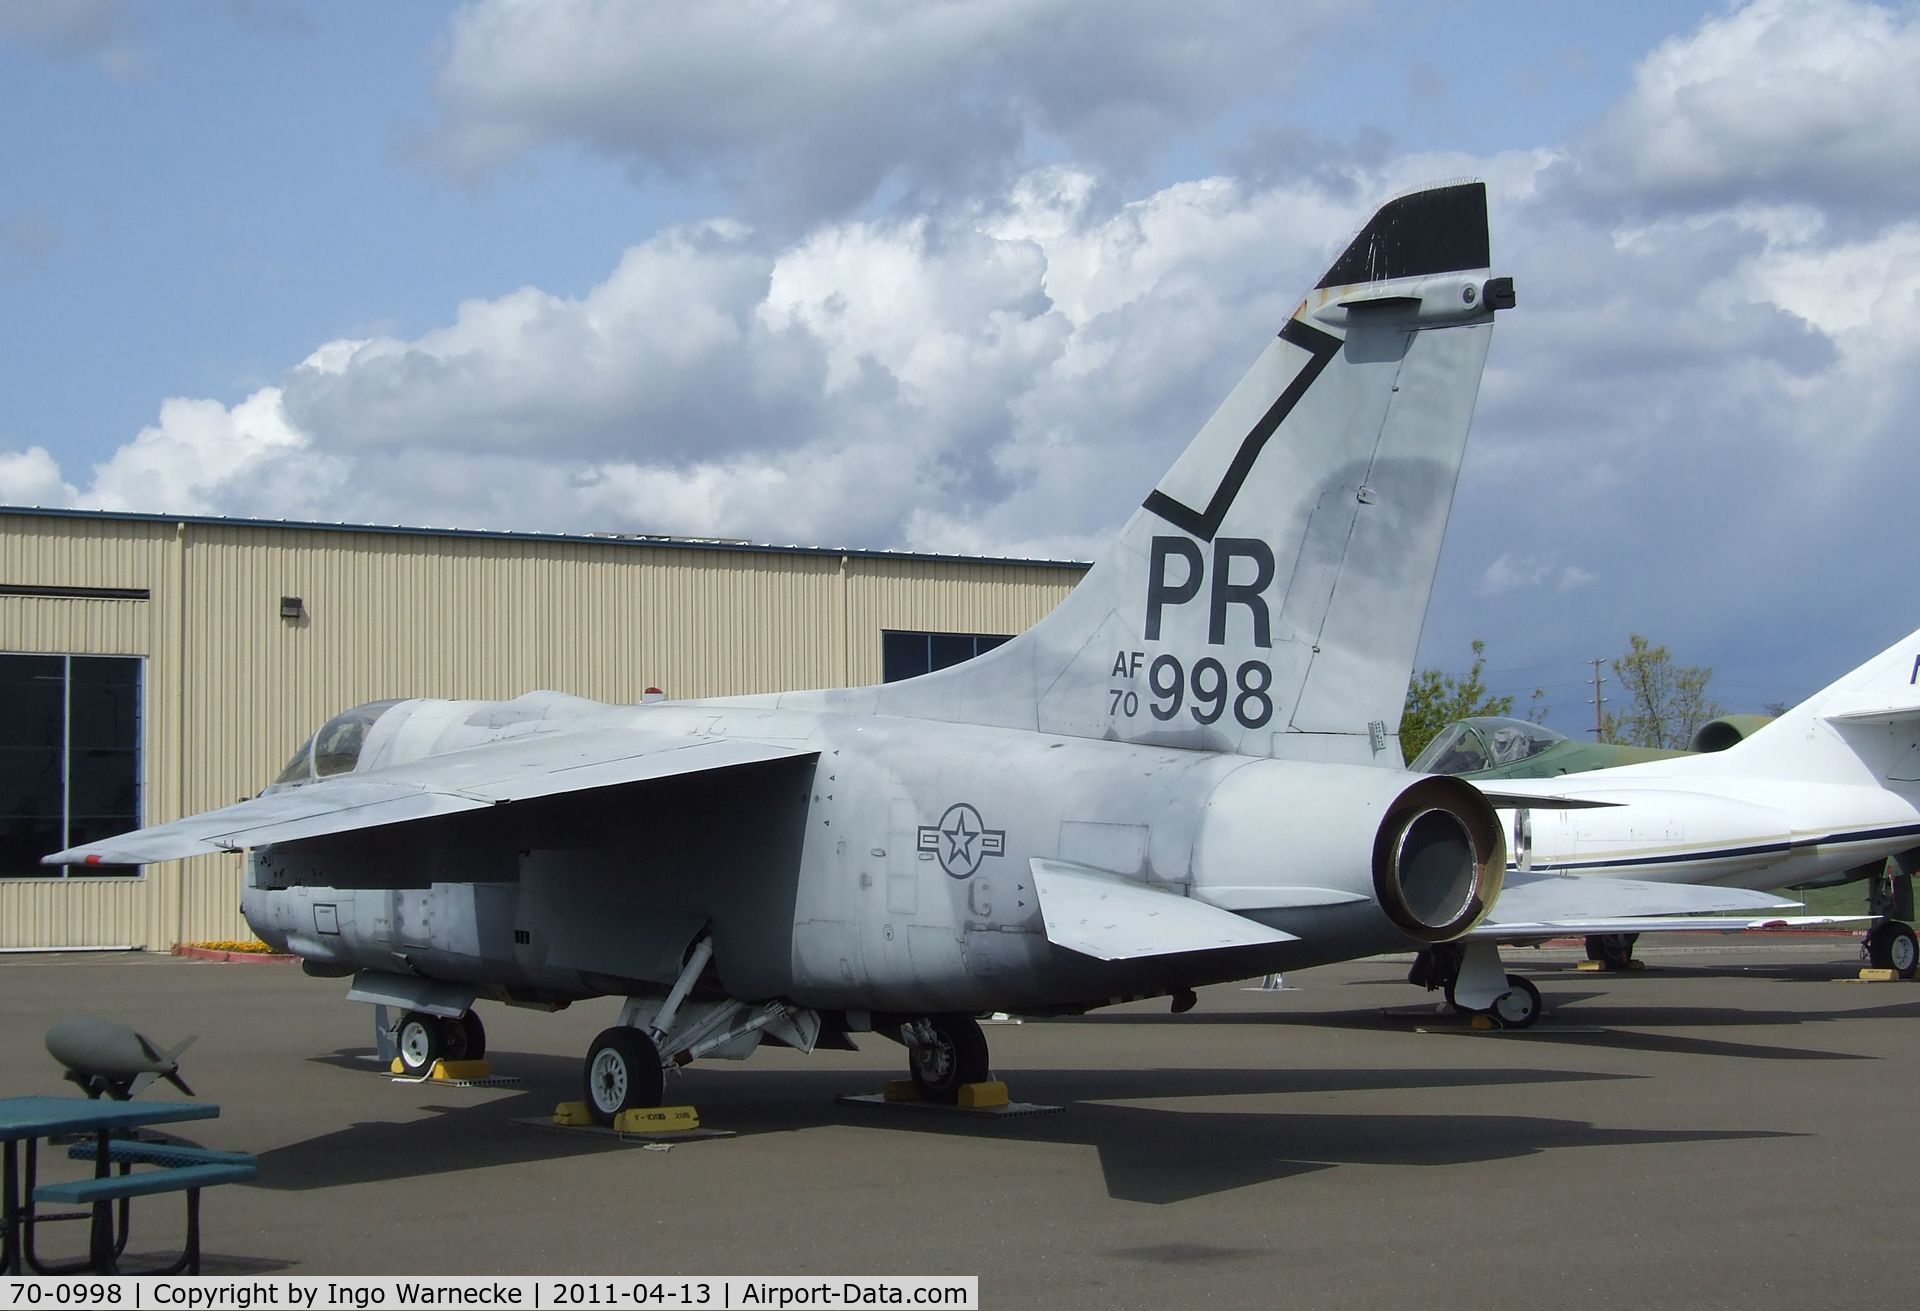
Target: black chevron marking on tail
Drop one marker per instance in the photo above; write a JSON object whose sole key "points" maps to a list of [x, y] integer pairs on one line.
{"points": [[1203, 524]]}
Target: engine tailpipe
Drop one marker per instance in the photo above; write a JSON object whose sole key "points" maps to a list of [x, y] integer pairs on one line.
{"points": [[1439, 859]]}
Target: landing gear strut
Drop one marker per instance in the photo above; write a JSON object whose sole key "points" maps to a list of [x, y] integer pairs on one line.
{"points": [[1474, 982], [1890, 944]]}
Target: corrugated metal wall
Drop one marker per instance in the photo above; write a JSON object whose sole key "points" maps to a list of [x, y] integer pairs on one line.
{"points": [[391, 614]]}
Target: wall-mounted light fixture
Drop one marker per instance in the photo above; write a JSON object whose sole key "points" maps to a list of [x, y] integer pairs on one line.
{"points": [[292, 607]]}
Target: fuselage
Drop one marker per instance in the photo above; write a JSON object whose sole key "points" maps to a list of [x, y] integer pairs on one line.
{"points": [[888, 869], [1662, 824]]}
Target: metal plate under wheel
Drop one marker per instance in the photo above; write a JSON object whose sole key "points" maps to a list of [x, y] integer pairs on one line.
{"points": [[940, 1108]]}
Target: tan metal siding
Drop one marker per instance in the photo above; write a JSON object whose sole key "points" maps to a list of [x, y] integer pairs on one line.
{"points": [[397, 614]]}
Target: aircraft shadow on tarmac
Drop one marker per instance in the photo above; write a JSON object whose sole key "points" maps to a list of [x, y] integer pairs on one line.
{"points": [[1609, 1023], [1149, 1154]]}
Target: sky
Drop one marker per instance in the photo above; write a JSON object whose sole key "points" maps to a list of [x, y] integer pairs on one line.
{"points": [[966, 276]]}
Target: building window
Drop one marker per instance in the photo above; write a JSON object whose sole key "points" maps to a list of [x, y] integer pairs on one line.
{"points": [[69, 758], [909, 655]]}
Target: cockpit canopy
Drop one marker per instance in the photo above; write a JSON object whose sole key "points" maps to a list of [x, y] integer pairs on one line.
{"points": [[336, 748], [1484, 742]]}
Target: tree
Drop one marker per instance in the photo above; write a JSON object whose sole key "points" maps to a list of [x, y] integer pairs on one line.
{"points": [[1436, 699], [1665, 703]]}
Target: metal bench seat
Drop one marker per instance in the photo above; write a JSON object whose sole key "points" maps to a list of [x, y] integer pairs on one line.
{"points": [[102, 1191]]}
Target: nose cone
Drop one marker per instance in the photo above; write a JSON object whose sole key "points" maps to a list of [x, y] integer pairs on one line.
{"points": [[92, 1046]]}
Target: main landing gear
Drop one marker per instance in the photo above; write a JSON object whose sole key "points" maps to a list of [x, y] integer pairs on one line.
{"points": [[626, 1066], [1475, 983], [623, 1071], [944, 1053], [1890, 944], [424, 1039], [1614, 951]]}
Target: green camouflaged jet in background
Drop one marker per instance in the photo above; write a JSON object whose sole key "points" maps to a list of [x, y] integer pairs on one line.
{"points": [[1492, 746]]}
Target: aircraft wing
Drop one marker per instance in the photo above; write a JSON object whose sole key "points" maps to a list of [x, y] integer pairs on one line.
{"points": [[1536, 905], [1112, 917], [1578, 928], [516, 769]]}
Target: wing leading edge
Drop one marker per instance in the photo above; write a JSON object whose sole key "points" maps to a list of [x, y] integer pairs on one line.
{"points": [[518, 769]]}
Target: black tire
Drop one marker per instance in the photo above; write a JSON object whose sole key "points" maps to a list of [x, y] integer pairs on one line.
{"points": [[1519, 1006], [1614, 950], [957, 1056], [463, 1038], [421, 1041], [622, 1072]]}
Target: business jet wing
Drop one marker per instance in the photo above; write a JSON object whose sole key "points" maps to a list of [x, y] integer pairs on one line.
{"points": [[1557, 905], [494, 773], [1580, 928], [1577, 905]]}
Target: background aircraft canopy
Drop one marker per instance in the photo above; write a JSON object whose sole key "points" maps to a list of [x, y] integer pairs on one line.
{"points": [[1484, 742]]}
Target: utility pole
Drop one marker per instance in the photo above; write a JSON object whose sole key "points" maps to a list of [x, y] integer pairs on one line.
{"points": [[1598, 700]]}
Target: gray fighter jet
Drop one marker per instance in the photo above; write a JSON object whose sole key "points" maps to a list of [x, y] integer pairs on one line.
{"points": [[1188, 773]]}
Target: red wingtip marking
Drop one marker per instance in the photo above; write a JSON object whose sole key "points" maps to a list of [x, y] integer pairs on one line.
{"points": [[93, 860]]}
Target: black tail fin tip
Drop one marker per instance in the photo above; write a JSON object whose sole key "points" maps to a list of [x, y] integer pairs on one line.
{"points": [[1439, 230]]}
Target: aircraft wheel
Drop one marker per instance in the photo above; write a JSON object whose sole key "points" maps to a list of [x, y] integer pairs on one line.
{"points": [[1519, 1005], [1614, 950], [1891, 946], [956, 1056], [421, 1041], [463, 1038], [622, 1072]]}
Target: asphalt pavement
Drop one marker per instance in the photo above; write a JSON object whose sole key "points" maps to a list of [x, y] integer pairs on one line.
{"points": [[1725, 1128]]}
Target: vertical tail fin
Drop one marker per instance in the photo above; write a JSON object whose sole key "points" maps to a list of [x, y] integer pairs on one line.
{"points": [[1862, 728], [1267, 597]]}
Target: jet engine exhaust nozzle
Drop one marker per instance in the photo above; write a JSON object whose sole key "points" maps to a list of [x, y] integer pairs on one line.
{"points": [[1439, 860]]}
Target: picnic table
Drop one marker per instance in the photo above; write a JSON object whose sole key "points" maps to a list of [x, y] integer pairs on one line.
{"points": [[28, 1120]]}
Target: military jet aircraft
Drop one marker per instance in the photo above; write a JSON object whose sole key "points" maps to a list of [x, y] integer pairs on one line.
{"points": [[1495, 746], [1827, 794], [1187, 773]]}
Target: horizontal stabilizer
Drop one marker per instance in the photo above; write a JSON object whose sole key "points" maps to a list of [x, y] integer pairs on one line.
{"points": [[516, 769], [1537, 898], [1501, 800], [1112, 917], [1890, 714]]}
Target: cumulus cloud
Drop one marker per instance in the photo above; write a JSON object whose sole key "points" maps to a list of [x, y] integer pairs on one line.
{"points": [[203, 457], [1702, 397], [809, 110], [1776, 100], [32, 477]]}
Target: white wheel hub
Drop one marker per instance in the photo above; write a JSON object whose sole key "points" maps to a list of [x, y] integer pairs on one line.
{"points": [[609, 1081], [415, 1044], [1902, 952]]}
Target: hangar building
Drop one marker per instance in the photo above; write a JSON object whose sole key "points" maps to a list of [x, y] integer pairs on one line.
{"points": [[153, 666]]}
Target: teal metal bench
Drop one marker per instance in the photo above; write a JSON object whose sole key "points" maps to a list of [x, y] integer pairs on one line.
{"points": [[126, 1151], [182, 1169]]}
